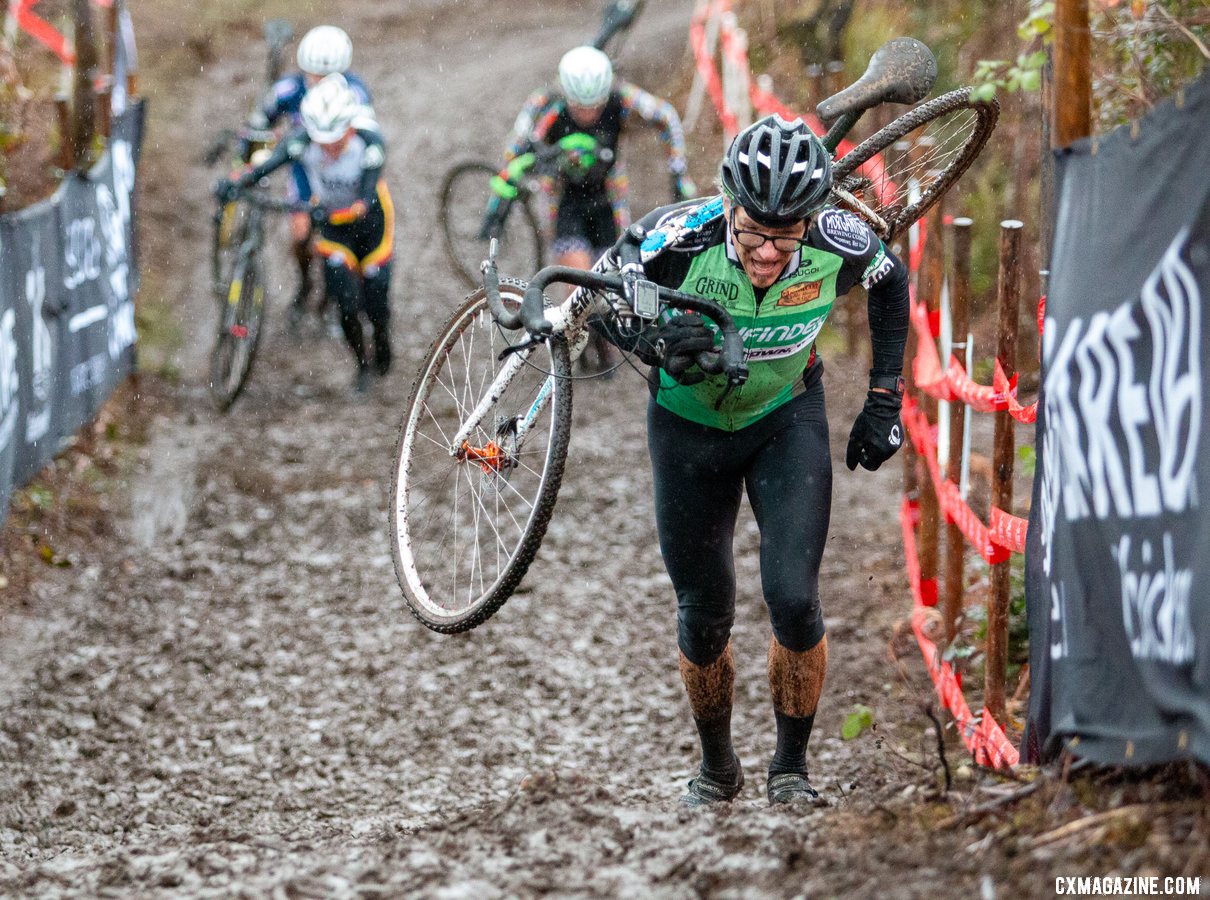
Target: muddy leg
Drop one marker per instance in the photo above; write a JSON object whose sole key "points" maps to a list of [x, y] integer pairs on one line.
{"points": [[795, 681], [711, 689]]}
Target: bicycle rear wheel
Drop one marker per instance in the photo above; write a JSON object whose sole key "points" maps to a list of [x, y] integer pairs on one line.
{"points": [[944, 136], [464, 196], [240, 324], [467, 522]]}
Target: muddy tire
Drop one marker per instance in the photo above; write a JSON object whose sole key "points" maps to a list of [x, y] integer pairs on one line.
{"points": [[466, 525]]}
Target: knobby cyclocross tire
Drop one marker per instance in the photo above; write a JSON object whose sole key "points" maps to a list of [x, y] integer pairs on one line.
{"points": [[465, 527], [241, 317], [465, 192], [227, 237], [950, 131]]}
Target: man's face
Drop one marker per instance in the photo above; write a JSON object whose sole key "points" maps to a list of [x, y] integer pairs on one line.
{"points": [[337, 147], [761, 264], [585, 116]]}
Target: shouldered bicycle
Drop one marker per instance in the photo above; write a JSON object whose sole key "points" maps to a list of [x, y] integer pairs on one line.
{"points": [[483, 442]]}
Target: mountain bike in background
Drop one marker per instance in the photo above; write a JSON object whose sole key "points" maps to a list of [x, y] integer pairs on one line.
{"points": [[478, 201], [484, 438], [228, 229], [242, 299]]}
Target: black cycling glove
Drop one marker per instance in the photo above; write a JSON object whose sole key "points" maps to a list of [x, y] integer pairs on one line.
{"points": [[674, 345], [877, 432], [319, 215], [226, 190]]}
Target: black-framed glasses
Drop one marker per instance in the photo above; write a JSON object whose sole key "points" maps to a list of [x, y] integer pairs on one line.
{"points": [[753, 239]]}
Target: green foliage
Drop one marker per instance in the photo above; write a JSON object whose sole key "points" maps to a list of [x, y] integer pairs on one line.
{"points": [[857, 721], [1027, 456], [1024, 75]]}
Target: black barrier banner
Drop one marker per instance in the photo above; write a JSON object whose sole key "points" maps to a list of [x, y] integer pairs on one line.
{"points": [[1118, 566], [67, 286]]}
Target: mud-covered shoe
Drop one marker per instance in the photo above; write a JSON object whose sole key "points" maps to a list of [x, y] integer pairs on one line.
{"points": [[704, 790], [792, 787]]}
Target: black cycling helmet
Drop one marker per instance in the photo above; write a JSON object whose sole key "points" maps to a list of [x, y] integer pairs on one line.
{"points": [[778, 171]]}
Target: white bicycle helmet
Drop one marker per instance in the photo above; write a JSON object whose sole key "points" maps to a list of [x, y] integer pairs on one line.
{"points": [[586, 76], [329, 109], [324, 50]]}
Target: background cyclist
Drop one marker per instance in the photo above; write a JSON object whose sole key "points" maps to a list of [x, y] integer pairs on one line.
{"points": [[777, 259], [323, 50], [591, 195], [341, 175]]}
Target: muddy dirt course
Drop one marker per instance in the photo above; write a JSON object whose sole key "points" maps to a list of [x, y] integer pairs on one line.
{"points": [[230, 698]]}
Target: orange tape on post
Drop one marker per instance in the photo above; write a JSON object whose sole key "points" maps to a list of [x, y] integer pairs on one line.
{"points": [[981, 735], [705, 64], [1008, 530]]}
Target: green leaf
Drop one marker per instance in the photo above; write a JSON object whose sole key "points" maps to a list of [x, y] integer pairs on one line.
{"points": [[1027, 456], [984, 93], [1034, 60], [861, 718], [1031, 80]]}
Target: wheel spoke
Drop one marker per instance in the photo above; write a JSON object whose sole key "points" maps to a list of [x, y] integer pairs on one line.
{"points": [[468, 521]]}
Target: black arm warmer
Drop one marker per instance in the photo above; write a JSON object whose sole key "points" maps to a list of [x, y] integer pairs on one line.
{"points": [[888, 311]]}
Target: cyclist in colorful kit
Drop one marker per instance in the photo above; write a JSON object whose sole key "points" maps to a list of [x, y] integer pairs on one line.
{"points": [[351, 208], [586, 120], [777, 259], [323, 50]]}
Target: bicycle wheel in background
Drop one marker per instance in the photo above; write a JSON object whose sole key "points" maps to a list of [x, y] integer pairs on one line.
{"points": [[944, 137], [464, 196], [241, 318], [465, 526]]}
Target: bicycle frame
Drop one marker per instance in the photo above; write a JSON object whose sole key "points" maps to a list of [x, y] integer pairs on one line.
{"points": [[570, 318]]}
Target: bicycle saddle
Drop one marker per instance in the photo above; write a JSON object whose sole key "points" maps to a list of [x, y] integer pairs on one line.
{"points": [[901, 71]]}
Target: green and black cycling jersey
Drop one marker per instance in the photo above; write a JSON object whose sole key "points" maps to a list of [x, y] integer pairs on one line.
{"points": [[779, 324], [546, 120]]}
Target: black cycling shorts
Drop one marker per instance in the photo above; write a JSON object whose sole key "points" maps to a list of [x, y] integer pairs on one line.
{"points": [[584, 221], [784, 464]]}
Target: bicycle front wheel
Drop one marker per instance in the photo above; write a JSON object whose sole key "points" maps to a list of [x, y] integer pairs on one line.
{"points": [[470, 505], [227, 236], [465, 193], [919, 157], [241, 318]]}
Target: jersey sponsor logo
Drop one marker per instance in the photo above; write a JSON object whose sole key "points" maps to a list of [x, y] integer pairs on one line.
{"points": [[845, 231], [877, 269], [798, 294], [717, 288], [806, 266], [800, 335]]}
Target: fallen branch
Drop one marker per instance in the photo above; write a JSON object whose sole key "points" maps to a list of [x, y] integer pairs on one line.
{"points": [[928, 711], [1071, 828], [974, 815]]}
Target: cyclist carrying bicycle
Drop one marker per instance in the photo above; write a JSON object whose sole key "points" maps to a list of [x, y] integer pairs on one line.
{"points": [[351, 207], [777, 259], [586, 120], [323, 50]]}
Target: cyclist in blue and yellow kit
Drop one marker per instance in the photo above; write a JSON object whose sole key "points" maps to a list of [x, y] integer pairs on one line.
{"points": [[771, 253], [351, 208], [322, 51]]}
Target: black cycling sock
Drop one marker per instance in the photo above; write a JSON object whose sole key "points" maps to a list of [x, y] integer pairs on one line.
{"points": [[718, 756], [793, 732], [353, 334], [302, 256]]}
